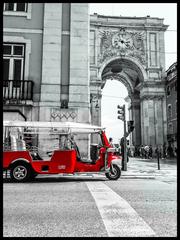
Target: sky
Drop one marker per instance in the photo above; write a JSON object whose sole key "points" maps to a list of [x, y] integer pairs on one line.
{"points": [[114, 92]]}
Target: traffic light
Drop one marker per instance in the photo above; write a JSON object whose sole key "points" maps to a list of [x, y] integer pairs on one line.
{"points": [[130, 126], [121, 112]]}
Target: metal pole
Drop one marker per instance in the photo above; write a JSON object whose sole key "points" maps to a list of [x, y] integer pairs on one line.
{"points": [[125, 144], [158, 160]]}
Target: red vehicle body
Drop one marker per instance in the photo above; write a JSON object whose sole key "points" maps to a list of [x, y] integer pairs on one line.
{"points": [[25, 164]]}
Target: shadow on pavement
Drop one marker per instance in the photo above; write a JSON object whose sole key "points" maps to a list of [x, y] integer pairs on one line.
{"points": [[60, 179]]}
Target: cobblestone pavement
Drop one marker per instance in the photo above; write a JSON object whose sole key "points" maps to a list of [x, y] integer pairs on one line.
{"points": [[138, 167]]}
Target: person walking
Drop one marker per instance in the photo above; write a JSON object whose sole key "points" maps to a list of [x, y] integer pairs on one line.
{"points": [[157, 151], [146, 149], [141, 151]]}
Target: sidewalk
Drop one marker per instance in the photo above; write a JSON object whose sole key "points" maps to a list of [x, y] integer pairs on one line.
{"points": [[148, 168]]}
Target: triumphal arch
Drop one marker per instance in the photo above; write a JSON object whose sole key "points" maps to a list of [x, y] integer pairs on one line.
{"points": [[131, 50]]}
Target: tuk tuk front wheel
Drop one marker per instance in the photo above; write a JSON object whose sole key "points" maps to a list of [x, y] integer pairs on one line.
{"points": [[114, 173]]}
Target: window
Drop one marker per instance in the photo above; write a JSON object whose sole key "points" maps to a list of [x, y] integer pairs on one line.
{"points": [[168, 91], [170, 128], [15, 7], [92, 47], [153, 49], [175, 86], [18, 9], [13, 62], [169, 111]]}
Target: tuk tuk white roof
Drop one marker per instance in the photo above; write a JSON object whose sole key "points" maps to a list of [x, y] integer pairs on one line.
{"points": [[72, 127]]}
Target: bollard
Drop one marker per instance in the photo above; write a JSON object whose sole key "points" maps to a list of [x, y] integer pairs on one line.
{"points": [[158, 161]]}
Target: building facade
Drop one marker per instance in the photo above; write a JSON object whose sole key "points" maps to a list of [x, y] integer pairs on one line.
{"points": [[57, 59], [171, 106], [46, 50]]}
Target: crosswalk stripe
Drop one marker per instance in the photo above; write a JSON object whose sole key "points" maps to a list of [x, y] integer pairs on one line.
{"points": [[119, 218]]}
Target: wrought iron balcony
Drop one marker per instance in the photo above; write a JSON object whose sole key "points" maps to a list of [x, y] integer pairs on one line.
{"points": [[17, 91]]}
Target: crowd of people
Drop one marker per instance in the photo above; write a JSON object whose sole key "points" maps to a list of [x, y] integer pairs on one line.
{"points": [[147, 151]]}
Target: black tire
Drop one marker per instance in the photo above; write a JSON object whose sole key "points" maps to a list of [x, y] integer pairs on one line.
{"points": [[20, 172], [115, 174]]}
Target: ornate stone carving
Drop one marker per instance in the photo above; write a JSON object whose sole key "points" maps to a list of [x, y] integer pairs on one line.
{"points": [[60, 114], [152, 97], [122, 43]]}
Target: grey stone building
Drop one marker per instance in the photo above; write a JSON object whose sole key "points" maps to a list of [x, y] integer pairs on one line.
{"points": [[57, 59], [171, 101], [52, 40]]}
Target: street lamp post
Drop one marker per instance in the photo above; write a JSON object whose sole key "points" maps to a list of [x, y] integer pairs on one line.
{"points": [[125, 144]]}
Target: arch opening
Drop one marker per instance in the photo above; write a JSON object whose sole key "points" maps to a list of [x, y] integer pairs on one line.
{"points": [[126, 76]]}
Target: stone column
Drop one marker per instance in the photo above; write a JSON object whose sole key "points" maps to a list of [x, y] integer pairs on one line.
{"points": [[51, 60], [95, 101], [134, 113], [79, 93], [152, 120]]}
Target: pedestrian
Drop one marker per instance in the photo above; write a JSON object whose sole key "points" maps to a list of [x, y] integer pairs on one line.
{"points": [[157, 151], [164, 151], [132, 150], [175, 150], [138, 151], [111, 142], [135, 151], [146, 150], [141, 151], [169, 151], [150, 151], [160, 151]]}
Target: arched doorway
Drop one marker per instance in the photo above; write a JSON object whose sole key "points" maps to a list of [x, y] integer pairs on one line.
{"points": [[131, 74], [113, 93]]}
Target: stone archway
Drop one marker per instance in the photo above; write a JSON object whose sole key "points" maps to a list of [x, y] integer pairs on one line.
{"points": [[131, 50], [146, 107]]}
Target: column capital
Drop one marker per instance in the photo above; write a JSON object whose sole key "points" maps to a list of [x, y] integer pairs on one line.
{"points": [[152, 97]]}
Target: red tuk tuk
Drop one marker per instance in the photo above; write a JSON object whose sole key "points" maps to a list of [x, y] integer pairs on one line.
{"points": [[23, 157]]}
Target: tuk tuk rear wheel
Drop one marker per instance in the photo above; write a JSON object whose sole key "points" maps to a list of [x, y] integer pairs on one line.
{"points": [[20, 172], [114, 174]]}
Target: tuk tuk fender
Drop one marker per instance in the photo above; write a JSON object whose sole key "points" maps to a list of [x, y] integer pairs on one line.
{"points": [[20, 160], [115, 162]]}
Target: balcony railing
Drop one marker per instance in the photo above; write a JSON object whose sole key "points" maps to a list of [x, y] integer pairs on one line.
{"points": [[17, 91]]}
